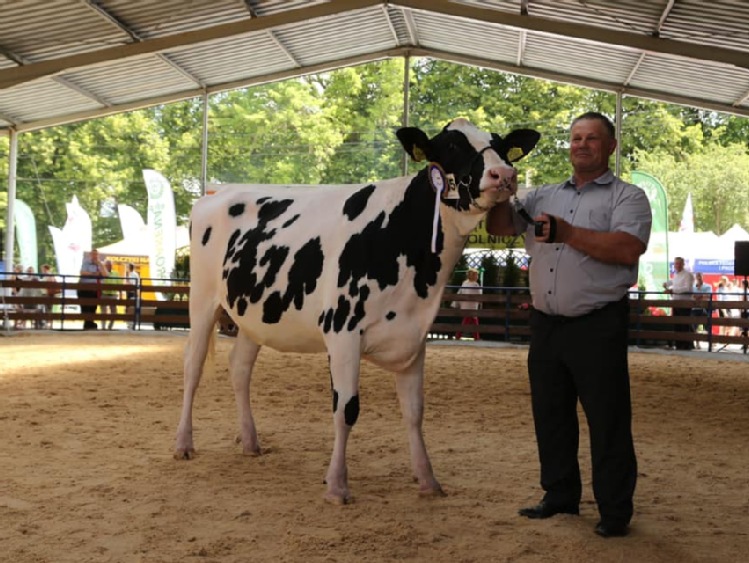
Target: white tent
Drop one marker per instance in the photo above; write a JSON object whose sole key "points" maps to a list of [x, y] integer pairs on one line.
{"points": [[139, 245], [735, 233]]}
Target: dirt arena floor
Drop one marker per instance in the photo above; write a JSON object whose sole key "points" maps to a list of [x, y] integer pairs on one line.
{"points": [[87, 425]]}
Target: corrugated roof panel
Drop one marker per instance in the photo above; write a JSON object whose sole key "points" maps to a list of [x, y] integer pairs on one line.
{"points": [[624, 15], [230, 60], [694, 79], [268, 7], [126, 81], [42, 99], [398, 21], [328, 39], [38, 31], [721, 23], [148, 18], [475, 38], [585, 60]]}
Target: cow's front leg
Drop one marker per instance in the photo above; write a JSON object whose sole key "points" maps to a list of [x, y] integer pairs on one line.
{"points": [[410, 386], [344, 381], [241, 361]]}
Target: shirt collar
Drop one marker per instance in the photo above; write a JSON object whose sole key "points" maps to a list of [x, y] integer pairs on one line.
{"points": [[604, 179]]}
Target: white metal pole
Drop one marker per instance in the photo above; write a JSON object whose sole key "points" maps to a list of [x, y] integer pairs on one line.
{"points": [[406, 100], [9, 220], [618, 165], [204, 145]]}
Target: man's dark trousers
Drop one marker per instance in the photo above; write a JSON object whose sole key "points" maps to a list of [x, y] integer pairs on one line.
{"points": [[584, 358]]}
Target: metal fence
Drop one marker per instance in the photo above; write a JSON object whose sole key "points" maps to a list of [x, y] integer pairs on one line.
{"points": [[502, 315]]}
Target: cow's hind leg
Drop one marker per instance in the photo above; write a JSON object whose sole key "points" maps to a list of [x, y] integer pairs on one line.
{"points": [[241, 361], [200, 340], [344, 381], [410, 386]]}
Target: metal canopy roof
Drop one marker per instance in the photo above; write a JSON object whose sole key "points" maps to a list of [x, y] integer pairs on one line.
{"points": [[68, 60]]}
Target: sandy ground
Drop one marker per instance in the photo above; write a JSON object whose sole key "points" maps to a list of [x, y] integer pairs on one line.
{"points": [[87, 425]]}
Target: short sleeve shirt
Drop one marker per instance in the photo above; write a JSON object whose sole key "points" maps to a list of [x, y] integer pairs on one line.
{"points": [[565, 281]]}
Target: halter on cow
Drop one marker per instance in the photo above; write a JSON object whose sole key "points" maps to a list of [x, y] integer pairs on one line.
{"points": [[344, 269]]}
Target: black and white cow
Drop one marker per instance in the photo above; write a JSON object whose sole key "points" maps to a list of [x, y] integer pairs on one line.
{"points": [[355, 270]]}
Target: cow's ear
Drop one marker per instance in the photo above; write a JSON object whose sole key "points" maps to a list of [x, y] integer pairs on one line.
{"points": [[415, 142], [519, 143]]}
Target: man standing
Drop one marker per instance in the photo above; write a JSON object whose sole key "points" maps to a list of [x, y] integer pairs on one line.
{"points": [[92, 270], [585, 246], [470, 286], [681, 285]]}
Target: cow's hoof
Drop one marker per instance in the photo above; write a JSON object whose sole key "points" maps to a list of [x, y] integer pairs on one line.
{"points": [[431, 491], [184, 453], [252, 452], [337, 499]]}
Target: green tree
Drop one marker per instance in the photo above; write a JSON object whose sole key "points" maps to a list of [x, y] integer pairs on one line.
{"points": [[717, 177]]}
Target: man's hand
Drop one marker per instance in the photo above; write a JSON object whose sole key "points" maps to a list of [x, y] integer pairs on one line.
{"points": [[608, 247]]}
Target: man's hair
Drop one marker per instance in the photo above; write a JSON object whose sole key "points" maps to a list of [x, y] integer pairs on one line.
{"points": [[679, 258], [598, 117]]}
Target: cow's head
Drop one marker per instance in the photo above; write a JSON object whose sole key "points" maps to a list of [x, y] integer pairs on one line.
{"points": [[474, 166]]}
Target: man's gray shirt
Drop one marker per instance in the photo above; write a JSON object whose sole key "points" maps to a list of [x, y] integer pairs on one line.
{"points": [[565, 281]]}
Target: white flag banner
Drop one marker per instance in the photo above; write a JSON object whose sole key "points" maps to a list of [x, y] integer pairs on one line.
{"points": [[687, 217], [26, 235], [72, 240], [131, 222], [162, 224]]}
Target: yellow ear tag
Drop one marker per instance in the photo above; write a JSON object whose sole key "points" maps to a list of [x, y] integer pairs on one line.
{"points": [[515, 153], [419, 154]]}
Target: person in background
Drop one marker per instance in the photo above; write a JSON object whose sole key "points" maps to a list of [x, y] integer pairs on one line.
{"points": [[681, 285], [470, 286], [47, 275], [586, 239], [702, 294], [109, 295], [92, 270], [132, 278]]}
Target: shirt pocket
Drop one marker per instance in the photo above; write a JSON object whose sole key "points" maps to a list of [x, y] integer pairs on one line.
{"points": [[599, 220]]}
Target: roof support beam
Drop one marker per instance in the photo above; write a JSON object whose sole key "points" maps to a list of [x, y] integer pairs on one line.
{"points": [[580, 81], [13, 76], [663, 18], [601, 35], [413, 31], [386, 13], [21, 61], [521, 47], [398, 52], [137, 38]]}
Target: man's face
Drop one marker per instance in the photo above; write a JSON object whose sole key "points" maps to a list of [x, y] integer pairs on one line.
{"points": [[678, 265], [590, 146]]}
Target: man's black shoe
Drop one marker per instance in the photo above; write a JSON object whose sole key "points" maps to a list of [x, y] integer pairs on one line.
{"points": [[611, 529], [547, 510]]}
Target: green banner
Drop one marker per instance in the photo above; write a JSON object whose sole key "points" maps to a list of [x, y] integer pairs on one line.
{"points": [[654, 264]]}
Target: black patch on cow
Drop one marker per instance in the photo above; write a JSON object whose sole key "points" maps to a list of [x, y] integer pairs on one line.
{"points": [[351, 411], [359, 310], [390, 316], [327, 322], [273, 209], [206, 236], [290, 222], [373, 253], [341, 313], [335, 400], [305, 270], [242, 266], [262, 200], [358, 202], [236, 210]]}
